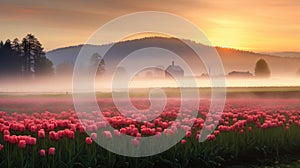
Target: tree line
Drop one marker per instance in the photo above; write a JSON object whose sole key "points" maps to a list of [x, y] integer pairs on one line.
{"points": [[24, 59]]}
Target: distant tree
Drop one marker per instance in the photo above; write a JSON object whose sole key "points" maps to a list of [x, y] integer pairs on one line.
{"points": [[9, 62], [44, 68], [17, 54], [97, 62], [262, 69], [26, 58], [34, 61], [120, 73], [64, 69]]}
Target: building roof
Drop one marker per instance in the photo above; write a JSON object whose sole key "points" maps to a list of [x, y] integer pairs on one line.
{"points": [[174, 68]]}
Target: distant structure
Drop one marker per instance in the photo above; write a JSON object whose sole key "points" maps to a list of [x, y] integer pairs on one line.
{"points": [[152, 73], [174, 71], [240, 74], [204, 75]]}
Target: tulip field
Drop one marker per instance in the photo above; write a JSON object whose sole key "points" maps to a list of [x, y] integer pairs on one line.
{"points": [[49, 132]]}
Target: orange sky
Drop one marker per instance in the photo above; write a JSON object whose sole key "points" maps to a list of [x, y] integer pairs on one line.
{"points": [[271, 25]]}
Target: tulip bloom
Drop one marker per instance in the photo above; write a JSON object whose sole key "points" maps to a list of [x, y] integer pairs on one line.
{"points": [[6, 132], [88, 140], [94, 136], [42, 152], [51, 151], [249, 129], [107, 134], [188, 134], [210, 137], [135, 141], [22, 144], [41, 133]]}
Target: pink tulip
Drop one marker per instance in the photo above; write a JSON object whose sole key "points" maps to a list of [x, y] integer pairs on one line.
{"points": [[188, 134], [250, 129], [94, 136], [183, 141], [22, 144], [41, 133], [88, 140], [1, 147], [6, 138], [135, 141], [71, 134], [13, 139], [51, 151], [82, 129], [216, 132], [107, 134], [42, 152], [210, 137], [117, 132], [31, 140], [6, 132]]}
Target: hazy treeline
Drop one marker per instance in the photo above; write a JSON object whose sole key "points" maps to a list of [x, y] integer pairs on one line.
{"points": [[24, 59]]}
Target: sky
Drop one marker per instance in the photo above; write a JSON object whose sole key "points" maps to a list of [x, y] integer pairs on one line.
{"points": [[260, 26]]}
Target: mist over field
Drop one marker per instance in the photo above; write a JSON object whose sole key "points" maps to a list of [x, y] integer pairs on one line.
{"points": [[64, 84]]}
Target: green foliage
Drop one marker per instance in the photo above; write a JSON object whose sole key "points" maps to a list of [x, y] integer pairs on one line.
{"points": [[264, 146]]}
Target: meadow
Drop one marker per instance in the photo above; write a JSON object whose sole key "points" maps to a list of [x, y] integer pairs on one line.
{"points": [[254, 131]]}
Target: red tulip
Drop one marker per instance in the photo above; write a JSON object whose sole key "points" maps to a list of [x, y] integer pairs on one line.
{"points": [[6, 132], [13, 139], [1, 147], [22, 144], [42, 152], [31, 140], [210, 137], [6, 138], [188, 134], [41, 133], [71, 134], [250, 129], [51, 151], [88, 140]]}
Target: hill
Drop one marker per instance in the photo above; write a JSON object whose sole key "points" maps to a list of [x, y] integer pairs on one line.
{"points": [[232, 59]]}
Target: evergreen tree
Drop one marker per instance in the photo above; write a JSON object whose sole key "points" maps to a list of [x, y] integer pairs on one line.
{"points": [[97, 62], [8, 60], [33, 58], [25, 59], [262, 69]]}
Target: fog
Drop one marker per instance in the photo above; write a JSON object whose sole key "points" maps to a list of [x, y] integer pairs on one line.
{"points": [[64, 84]]}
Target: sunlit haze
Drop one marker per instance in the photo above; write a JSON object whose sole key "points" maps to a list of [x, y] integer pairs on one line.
{"points": [[248, 25]]}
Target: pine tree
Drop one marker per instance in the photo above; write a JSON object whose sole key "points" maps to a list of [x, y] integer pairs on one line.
{"points": [[97, 61], [34, 61]]}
